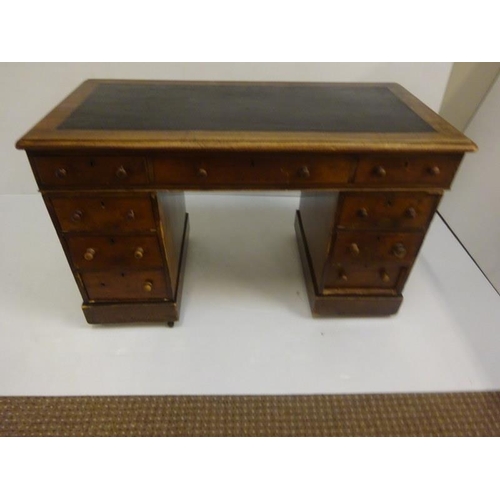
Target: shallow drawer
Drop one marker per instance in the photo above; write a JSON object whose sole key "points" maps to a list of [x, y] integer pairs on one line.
{"points": [[428, 170], [116, 285], [104, 213], [353, 247], [369, 276], [90, 253], [386, 210], [247, 171], [105, 171]]}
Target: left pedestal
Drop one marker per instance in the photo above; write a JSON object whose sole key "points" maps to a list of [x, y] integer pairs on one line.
{"points": [[127, 251]]}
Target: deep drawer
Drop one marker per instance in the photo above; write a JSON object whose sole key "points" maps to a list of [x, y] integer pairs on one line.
{"points": [[129, 285]]}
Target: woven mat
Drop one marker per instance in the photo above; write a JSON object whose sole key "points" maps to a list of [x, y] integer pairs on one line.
{"points": [[447, 414]]}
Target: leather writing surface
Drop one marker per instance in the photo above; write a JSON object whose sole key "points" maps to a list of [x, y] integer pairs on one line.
{"points": [[236, 107]]}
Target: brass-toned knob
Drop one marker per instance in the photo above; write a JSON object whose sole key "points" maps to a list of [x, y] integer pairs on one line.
{"points": [[354, 249], [384, 276], [380, 171], [89, 254], [139, 253], [342, 275], [130, 215], [148, 286], [121, 173], [434, 170], [61, 173], [410, 213], [362, 213], [304, 172], [202, 173], [77, 216], [399, 250]]}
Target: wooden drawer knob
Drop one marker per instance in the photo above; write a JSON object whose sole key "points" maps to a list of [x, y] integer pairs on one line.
{"points": [[77, 216], [410, 213], [384, 276], [354, 249], [130, 215], [121, 173], [61, 173], [380, 171], [342, 275], [434, 170], [139, 253], [148, 286], [89, 254], [202, 173], [399, 250], [362, 213], [304, 172]]}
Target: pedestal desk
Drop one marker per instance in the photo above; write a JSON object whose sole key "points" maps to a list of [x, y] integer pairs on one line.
{"points": [[113, 160]]}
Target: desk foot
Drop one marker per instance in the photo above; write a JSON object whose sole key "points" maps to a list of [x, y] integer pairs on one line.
{"points": [[142, 312], [340, 305]]}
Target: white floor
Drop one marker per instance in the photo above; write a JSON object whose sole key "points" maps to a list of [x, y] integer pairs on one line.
{"points": [[246, 326]]}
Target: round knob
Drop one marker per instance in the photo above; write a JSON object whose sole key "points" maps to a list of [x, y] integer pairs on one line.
{"points": [[139, 253], [121, 173], [362, 213], [148, 286], [384, 276], [61, 173], [130, 215], [354, 249], [379, 171], [304, 172], [342, 275], [411, 213], [77, 216], [399, 250], [202, 173], [434, 170], [89, 254]]}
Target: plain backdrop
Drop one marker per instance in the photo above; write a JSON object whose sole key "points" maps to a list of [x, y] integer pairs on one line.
{"points": [[28, 91]]}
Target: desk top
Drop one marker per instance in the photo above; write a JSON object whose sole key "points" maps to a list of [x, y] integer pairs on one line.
{"points": [[128, 114]]}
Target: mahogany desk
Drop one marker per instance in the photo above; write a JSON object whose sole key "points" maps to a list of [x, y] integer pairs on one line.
{"points": [[113, 160]]}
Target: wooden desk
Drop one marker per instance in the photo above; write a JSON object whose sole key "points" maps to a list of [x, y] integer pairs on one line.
{"points": [[113, 160]]}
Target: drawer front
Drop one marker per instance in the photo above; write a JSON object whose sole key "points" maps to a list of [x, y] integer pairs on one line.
{"points": [[132, 285], [245, 171], [104, 214], [426, 170], [106, 171], [369, 276], [92, 253], [353, 247], [386, 210]]}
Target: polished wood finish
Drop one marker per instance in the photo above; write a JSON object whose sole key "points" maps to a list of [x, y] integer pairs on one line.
{"points": [[113, 159]]}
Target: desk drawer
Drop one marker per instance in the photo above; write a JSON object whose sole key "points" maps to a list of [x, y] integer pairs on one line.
{"points": [[398, 170], [356, 247], [396, 211], [253, 171], [103, 213], [105, 171], [92, 253], [362, 277], [125, 285]]}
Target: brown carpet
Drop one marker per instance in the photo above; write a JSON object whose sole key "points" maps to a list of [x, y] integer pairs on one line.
{"points": [[445, 414]]}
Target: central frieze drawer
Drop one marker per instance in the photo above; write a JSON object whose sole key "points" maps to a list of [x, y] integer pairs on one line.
{"points": [[247, 171]]}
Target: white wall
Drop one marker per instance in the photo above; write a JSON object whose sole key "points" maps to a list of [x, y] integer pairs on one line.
{"points": [[472, 207], [29, 91]]}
